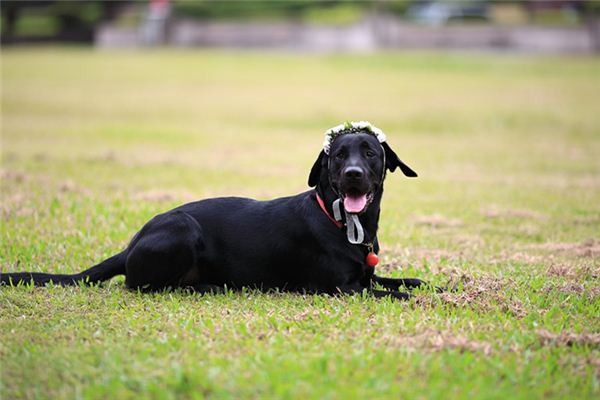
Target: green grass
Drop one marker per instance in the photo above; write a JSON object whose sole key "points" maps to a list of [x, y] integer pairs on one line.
{"points": [[506, 208]]}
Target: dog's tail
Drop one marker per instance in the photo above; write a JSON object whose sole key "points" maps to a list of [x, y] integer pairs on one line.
{"points": [[108, 268]]}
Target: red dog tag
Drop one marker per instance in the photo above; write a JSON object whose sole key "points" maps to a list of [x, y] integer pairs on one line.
{"points": [[372, 259]]}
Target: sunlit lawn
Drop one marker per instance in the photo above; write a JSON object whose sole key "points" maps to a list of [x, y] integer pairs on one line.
{"points": [[506, 209]]}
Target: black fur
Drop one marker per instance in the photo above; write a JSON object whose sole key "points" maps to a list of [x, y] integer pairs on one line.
{"points": [[287, 243]]}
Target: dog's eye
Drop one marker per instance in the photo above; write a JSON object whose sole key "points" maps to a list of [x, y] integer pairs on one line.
{"points": [[370, 153], [340, 155]]}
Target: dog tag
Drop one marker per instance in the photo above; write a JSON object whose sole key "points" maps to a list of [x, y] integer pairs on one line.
{"points": [[372, 259]]}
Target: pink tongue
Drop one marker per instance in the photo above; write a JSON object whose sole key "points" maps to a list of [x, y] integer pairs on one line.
{"points": [[355, 204]]}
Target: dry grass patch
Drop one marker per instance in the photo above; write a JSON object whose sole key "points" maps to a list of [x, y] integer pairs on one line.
{"points": [[436, 221], [573, 269], [163, 196], [433, 340], [484, 294], [587, 248], [495, 211], [521, 257], [574, 289], [589, 220], [566, 338], [15, 205], [69, 186], [13, 176], [418, 258]]}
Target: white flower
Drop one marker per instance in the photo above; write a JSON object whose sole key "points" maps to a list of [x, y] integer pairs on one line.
{"points": [[351, 127]]}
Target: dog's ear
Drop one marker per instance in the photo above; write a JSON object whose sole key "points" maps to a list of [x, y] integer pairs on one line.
{"points": [[392, 161], [315, 172]]}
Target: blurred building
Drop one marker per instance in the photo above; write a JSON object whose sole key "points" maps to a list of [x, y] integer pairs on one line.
{"points": [[560, 26]]}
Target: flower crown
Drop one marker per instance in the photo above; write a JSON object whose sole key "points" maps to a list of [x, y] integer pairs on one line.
{"points": [[351, 127]]}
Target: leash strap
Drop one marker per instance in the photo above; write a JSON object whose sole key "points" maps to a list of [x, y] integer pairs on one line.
{"points": [[337, 213], [354, 229]]}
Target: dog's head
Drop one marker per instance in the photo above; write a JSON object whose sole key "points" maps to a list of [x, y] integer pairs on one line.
{"points": [[353, 164]]}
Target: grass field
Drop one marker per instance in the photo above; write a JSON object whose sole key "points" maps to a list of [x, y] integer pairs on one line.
{"points": [[506, 209]]}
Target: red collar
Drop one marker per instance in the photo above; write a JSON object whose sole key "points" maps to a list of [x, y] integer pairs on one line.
{"points": [[322, 204]]}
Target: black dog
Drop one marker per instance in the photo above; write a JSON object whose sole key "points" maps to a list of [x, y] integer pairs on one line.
{"points": [[292, 243]]}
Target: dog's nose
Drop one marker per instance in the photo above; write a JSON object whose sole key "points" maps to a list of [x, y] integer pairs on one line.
{"points": [[353, 173]]}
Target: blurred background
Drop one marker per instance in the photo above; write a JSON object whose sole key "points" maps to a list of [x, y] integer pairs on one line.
{"points": [[564, 26]]}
